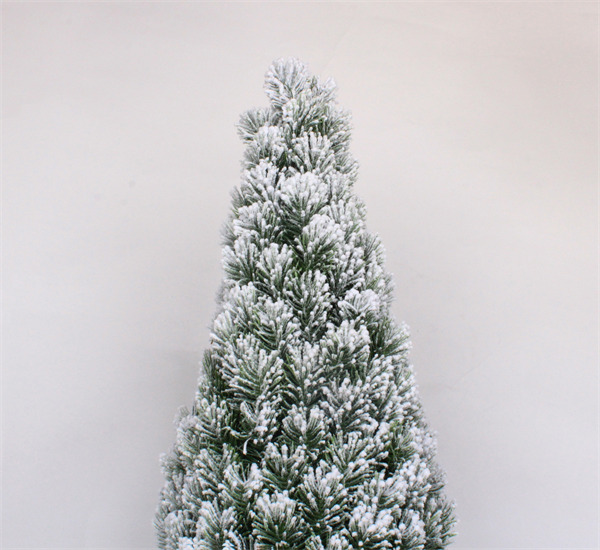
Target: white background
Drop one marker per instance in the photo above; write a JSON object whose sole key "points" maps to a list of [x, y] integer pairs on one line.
{"points": [[476, 132]]}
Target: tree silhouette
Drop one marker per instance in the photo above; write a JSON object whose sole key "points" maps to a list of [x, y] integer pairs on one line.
{"points": [[307, 431]]}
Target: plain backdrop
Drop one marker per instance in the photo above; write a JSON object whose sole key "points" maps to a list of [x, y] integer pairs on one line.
{"points": [[476, 130]]}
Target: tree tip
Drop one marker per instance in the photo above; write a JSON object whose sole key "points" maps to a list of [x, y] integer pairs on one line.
{"points": [[285, 79]]}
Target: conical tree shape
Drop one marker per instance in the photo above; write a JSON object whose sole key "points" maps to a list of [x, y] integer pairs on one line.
{"points": [[307, 430]]}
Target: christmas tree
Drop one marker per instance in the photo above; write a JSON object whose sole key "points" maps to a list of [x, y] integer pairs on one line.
{"points": [[307, 431]]}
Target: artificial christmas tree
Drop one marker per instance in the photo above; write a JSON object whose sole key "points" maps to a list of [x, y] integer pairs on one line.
{"points": [[307, 430]]}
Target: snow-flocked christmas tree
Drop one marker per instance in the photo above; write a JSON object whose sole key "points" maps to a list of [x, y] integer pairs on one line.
{"points": [[307, 430]]}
